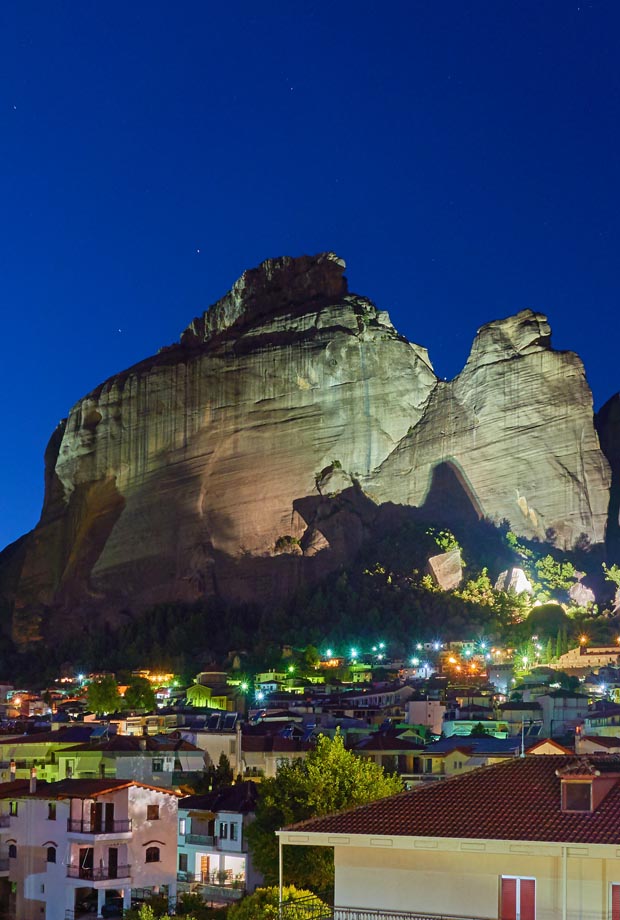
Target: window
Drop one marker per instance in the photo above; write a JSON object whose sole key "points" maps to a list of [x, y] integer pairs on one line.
{"points": [[223, 830], [182, 862], [12, 851], [577, 796], [182, 826], [51, 854], [152, 854], [517, 898], [13, 808], [51, 811], [152, 812], [158, 766], [234, 831]]}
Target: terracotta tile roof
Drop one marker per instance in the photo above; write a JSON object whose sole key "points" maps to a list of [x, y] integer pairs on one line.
{"points": [[602, 741], [73, 788], [519, 799]]}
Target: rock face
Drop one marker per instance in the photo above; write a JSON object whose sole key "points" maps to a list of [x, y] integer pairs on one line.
{"points": [[608, 426], [251, 457], [511, 437]]}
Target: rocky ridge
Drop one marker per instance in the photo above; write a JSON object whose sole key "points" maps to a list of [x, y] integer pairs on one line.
{"points": [[257, 454]]}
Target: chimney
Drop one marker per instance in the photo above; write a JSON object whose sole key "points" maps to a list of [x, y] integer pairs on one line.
{"points": [[33, 781], [13, 770]]}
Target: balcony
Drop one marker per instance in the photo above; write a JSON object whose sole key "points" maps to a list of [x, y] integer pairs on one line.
{"points": [[290, 911], [104, 827], [200, 840], [98, 874], [213, 886]]}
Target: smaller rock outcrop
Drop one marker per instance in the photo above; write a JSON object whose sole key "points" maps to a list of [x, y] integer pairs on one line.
{"points": [[446, 569], [514, 580]]}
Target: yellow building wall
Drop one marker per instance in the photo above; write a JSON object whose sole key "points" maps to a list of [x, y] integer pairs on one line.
{"points": [[466, 883]]}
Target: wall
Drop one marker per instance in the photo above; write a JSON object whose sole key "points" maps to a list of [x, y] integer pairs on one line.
{"points": [[466, 882]]}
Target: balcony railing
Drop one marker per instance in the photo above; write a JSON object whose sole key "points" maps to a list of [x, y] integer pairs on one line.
{"points": [[222, 886], [98, 874], [200, 840], [304, 907], [122, 826], [5, 820]]}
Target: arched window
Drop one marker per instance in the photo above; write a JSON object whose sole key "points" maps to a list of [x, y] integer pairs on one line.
{"points": [[152, 854], [51, 854], [12, 850]]}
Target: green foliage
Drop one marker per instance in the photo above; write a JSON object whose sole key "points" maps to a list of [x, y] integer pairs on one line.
{"points": [[102, 696], [547, 620], [554, 576], [223, 775], [479, 731], [264, 905], [612, 574], [444, 539], [284, 542], [140, 694], [478, 590], [329, 779]]}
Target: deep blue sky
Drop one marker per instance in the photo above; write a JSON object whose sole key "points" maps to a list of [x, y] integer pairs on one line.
{"points": [[462, 157]]}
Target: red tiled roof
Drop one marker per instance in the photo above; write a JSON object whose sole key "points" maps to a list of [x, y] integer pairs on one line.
{"points": [[519, 799], [73, 788]]}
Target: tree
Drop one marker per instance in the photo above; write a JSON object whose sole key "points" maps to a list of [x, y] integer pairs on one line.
{"points": [[223, 775], [479, 731], [140, 694], [102, 696], [264, 905], [545, 621], [329, 779], [555, 576], [612, 574]]}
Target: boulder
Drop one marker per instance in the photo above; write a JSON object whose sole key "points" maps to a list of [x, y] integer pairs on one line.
{"points": [[581, 595], [446, 569], [514, 580]]}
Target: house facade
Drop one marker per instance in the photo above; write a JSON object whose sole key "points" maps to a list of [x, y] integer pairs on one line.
{"points": [[77, 845], [213, 855], [534, 838]]}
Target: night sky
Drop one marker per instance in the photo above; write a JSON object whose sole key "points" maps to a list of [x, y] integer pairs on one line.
{"points": [[462, 157]]}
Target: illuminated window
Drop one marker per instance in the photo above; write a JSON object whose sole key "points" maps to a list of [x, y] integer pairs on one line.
{"points": [[234, 831], [13, 808], [182, 826], [152, 854], [223, 830]]}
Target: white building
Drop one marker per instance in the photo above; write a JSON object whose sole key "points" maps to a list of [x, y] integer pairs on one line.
{"points": [[214, 860], [78, 844]]}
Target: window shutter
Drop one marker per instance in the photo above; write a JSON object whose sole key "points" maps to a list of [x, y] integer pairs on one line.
{"points": [[615, 902], [508, 907], [527, 899]]}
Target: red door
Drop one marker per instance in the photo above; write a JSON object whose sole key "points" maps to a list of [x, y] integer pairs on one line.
{"points": [[518, 899], [615, 902]]}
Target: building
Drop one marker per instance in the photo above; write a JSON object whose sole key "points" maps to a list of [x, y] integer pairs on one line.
{"points": [[213, 853], [534, 837], [79, 844]]}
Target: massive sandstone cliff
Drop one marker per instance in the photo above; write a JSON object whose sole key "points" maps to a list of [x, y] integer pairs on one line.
{"points": [[256, 453]]}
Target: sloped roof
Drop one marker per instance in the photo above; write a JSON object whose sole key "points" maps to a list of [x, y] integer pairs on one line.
{"points": [[519, 799], [241, 797], [72, 788]]}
